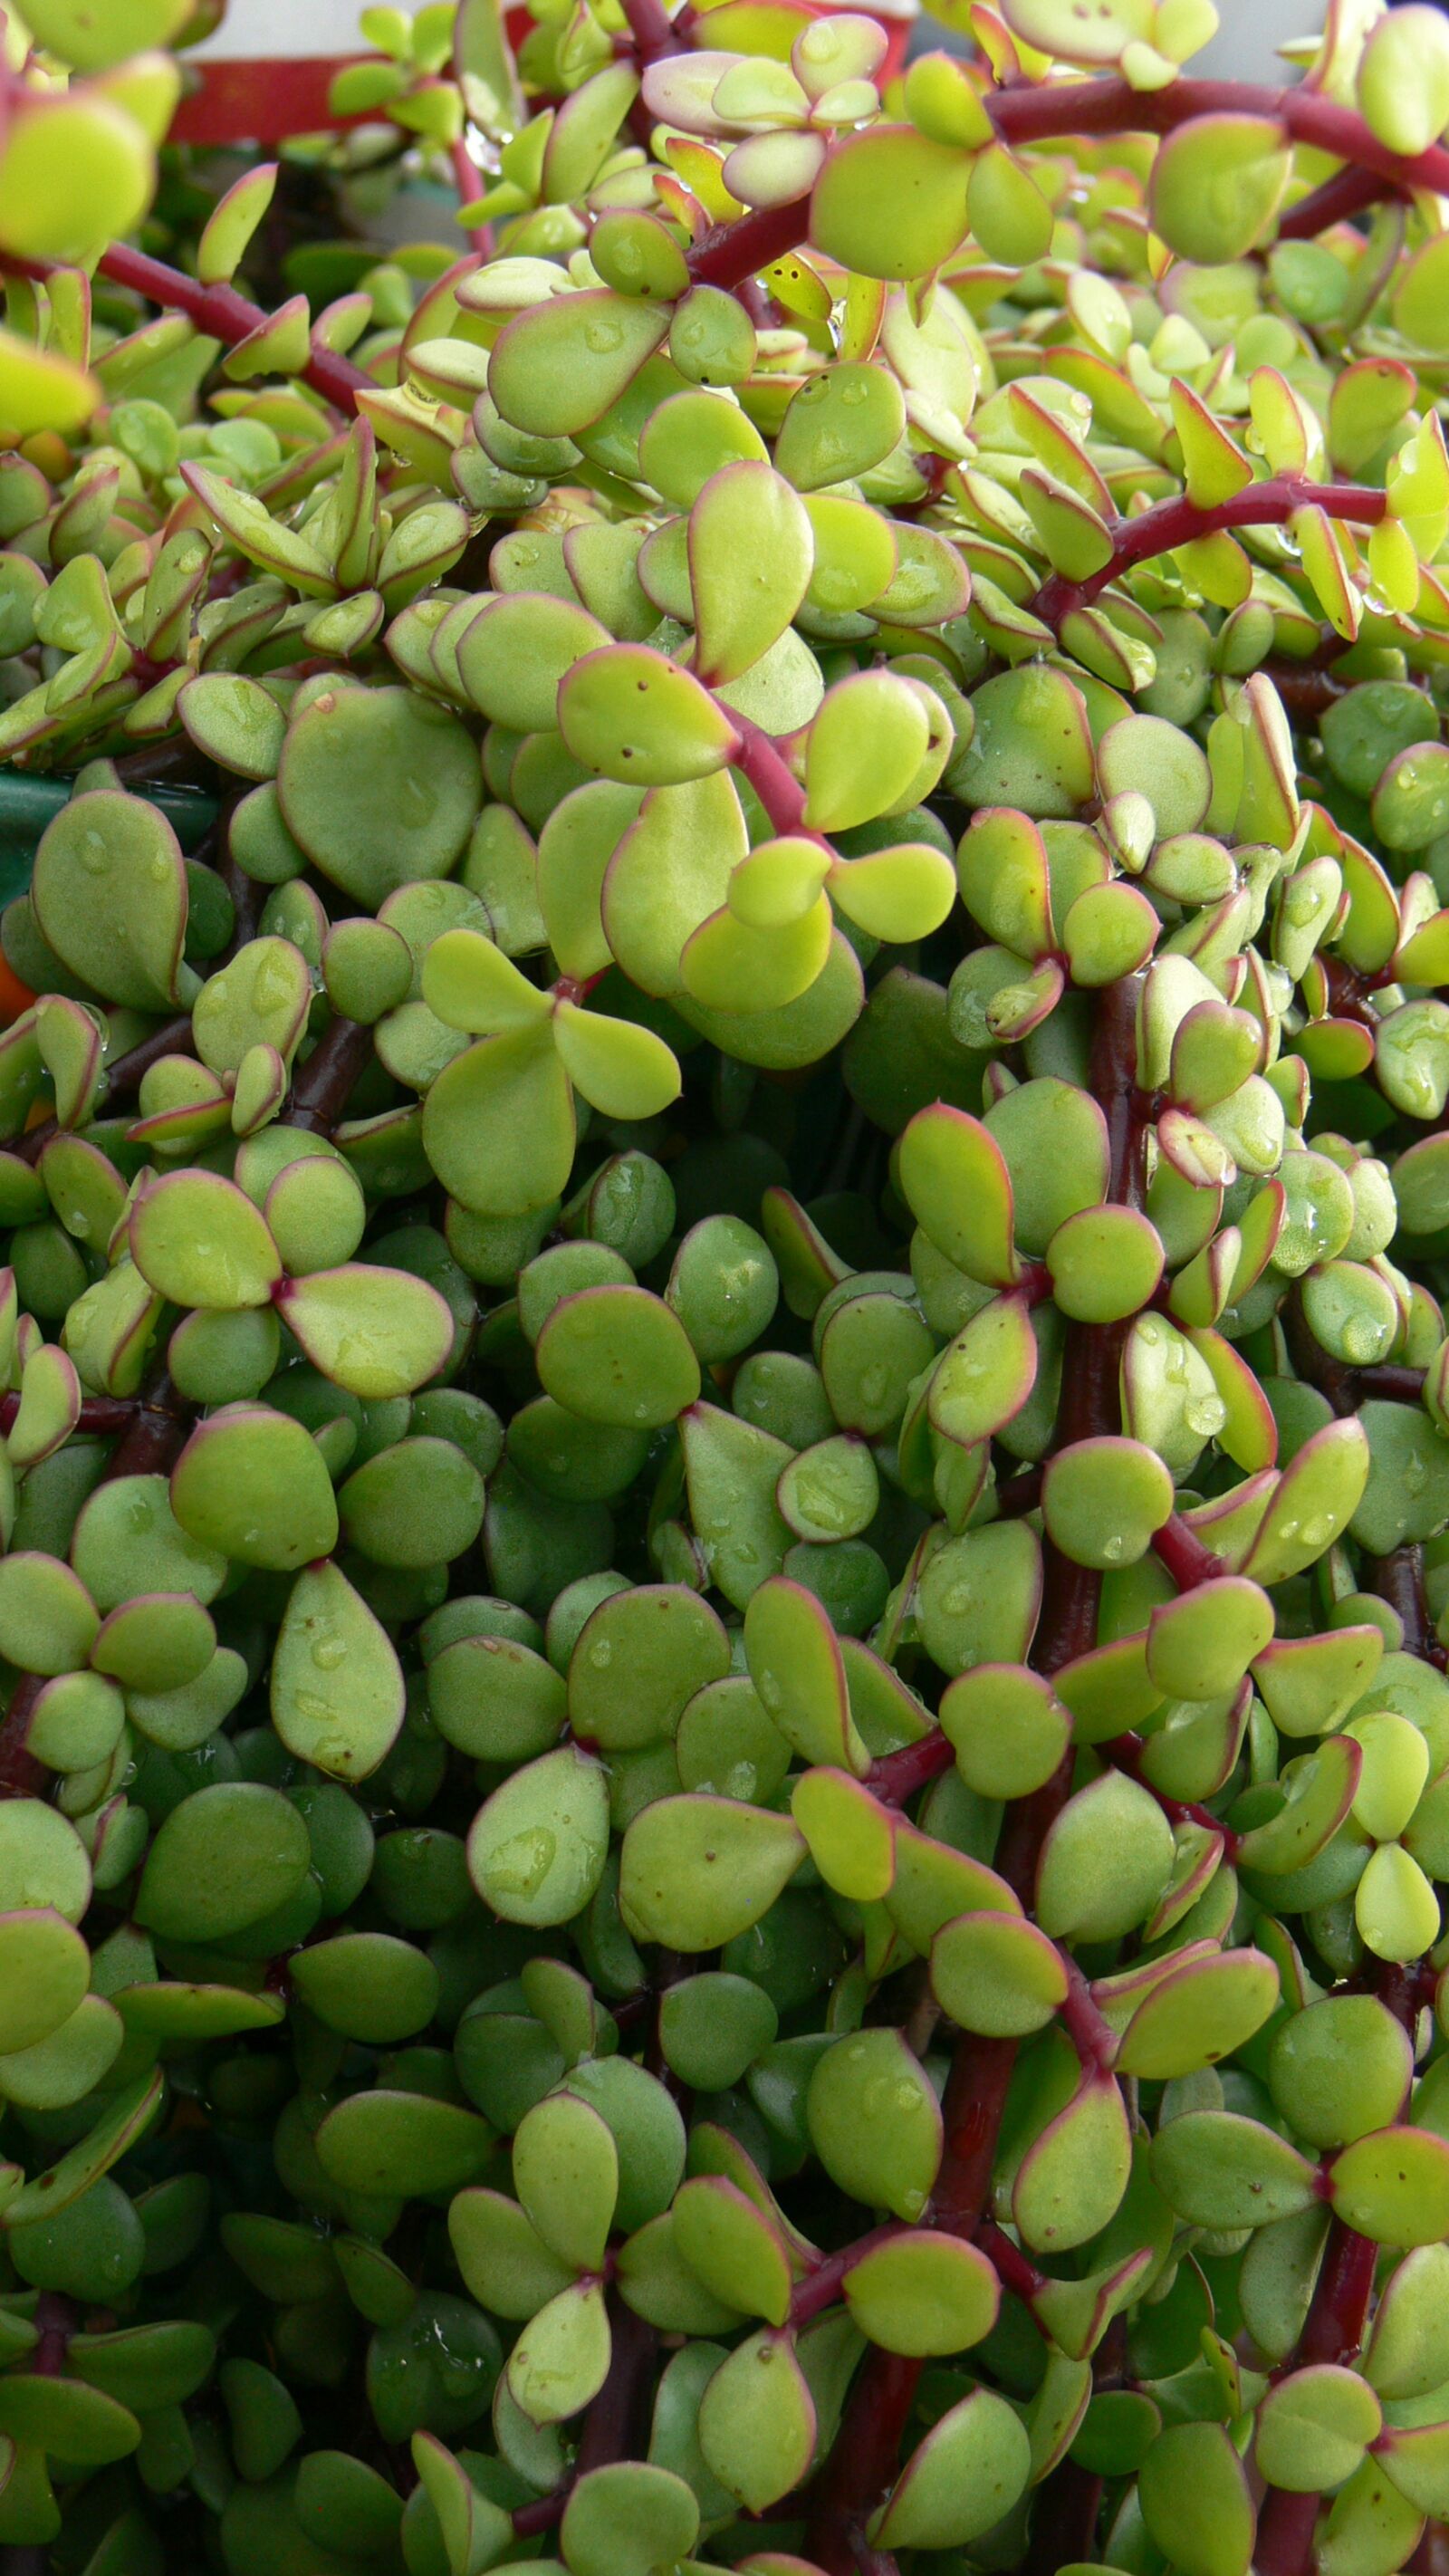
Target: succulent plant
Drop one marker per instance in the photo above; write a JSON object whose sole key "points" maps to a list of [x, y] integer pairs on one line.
{"points": [[724, 1780]]}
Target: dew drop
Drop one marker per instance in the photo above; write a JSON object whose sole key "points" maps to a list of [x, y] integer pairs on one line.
{"points": [[521, 1864]]}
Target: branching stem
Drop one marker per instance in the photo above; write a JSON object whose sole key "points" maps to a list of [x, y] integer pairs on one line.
{"points": [[224, 313], [1179, 522]]}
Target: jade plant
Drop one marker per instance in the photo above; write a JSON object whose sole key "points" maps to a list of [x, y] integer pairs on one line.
{"points": [[724, 1777]]}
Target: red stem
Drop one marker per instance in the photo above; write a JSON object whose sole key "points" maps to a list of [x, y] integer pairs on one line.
{"points": [[223, 313], [160, 1427], [1349, 192], [468, 180], [21, 1776], [1088, 2029], [864, 2459], [729, 254], [99, 1414], [1008, 2262], [897, 1776], [1184, 1555], [1056, 109], [1333, 2330], [771, 777], [1178, 521], [822, 2287], [320, 1091], [653, 33]]}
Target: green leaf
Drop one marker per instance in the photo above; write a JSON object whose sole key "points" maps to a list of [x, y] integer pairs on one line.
{"points": [[923, 2294], [757, 2421], [875, 2122], [697, 1871], [110, 896], [566, 2175], [251, 1483], [964, 2477], [1071, 2180], [1313, 2428], [498, 1124], [560, 367], [377, 1332], [1195, 2502], [379, 787], [561, 2358], [733, 2248], [1217, 2169], [337, 1691], [634, 716], [198, 1240], [1216, 185], [537, 1845], [618, 1355], [890, 204], [623, 1070], [751, 551]]}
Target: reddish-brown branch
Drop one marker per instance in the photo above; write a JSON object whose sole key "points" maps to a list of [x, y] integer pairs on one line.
{"points": [[896, 1777], [652, 30], [21, 1776], [100, 1415], [771, 777], [320, 1092], [1054, 110], [468, 180], [615, 2425], [730, 254], [821, 2288], [1179, 522], [1334, 2328], [1398, 1578], [1351, 191], [160, 1428], [1187, 1560], [224, 313], [1087, 2027], [1013, 2269]]}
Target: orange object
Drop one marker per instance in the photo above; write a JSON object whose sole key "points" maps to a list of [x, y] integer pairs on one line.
{"points": [[15, 997]]}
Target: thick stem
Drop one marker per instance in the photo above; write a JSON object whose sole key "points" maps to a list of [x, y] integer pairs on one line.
{"points": [[773, 781], [100, 1415], [1184, 1555], [1398, 1578], [731, 254], [1008, 2262], [1334, 2328], [223, 313], [654, 35], [1063, 2520], [896, 1777], [864, 2459], [21, 1776], [821, 2288], [159, 1431], [468, 180], [321, 1089], [1348, 193], [1179, 521], [1054, 110], [1088, 2029], [614, 2427]]}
